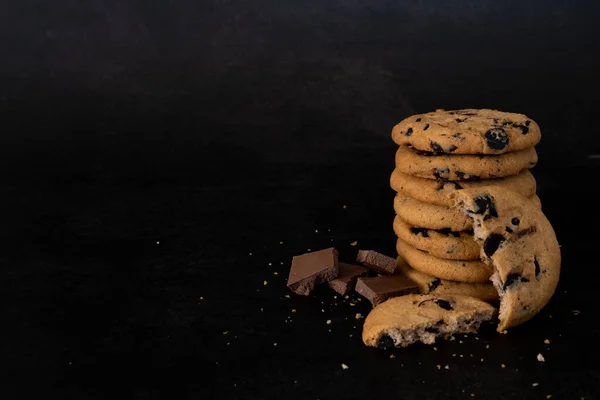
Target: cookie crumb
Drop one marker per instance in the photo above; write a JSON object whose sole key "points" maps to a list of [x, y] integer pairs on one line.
{"points": [[392, 356], [328, 322], [358, 316], [534, 384], [548, 396], [265, 283], [472, 394], [293, 310], [280, 242], [201, 298], [354, 243], [261, 309], [540, 357], [345, 367], [270, 264], [275, 344], [503, 366], [447, 367], [487, 346], [546, 341], [438, 366], [275, 273], [287, 296], [576, 312], [352, 304], [249, 254], [350, 335], [460, 341], [344, 206], [225, 332], [434, 348], [316, 231], [504, 332]]}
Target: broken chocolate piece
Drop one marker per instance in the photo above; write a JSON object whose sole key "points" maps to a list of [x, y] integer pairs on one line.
{"points": [[496, 138], [445, 304], [434, 284], [376, 261], [511, 279], [486, 207], [408, 132], [380, 288], [537, 267], [492, 243], [310, 269], [346, 279], [422, 231], [385, 342]]}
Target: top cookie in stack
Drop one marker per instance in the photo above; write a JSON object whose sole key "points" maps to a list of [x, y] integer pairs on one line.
{"points": [[444, 151]]}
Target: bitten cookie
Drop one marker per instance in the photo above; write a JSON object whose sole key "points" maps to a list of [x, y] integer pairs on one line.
{"points": [[442, 243], [452, 270], [403, 320], [458, 167], [438, 191], [518, 241], [468, 132], [431, 284]]}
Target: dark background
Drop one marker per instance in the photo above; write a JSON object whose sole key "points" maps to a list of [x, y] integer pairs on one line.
{"points": [[156, 153]]}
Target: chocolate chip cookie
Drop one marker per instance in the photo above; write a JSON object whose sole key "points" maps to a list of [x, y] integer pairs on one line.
{"points": [[460, 167], [438, 191], [403, 320], [518, 241], [468, 132], [452, 270], [442, 243], [431, 284]]}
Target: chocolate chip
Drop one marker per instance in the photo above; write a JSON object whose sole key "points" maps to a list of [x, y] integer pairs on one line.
{"points": [[467, 177], [537, 267], [441, 173], [445, 304], [460, 120], [527, 122], [418, 120], [385, 342], [423, 231], [448, 232], [434, 284], [491, 243], [426, 127], [485, 206], [452, 148], [515, 221], [437, 149], [424, 153], [509, 229], [408, 132], [457, 186], [496, 138], [511, 279], [523, 128], [451, 112]]}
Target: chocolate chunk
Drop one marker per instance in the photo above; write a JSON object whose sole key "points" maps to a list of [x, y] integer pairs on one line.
{"points": [[418, 120], [311, 269], [491, 243], [511, 279], [515, 221], [496, 138], [441, 173], [437, 149], [376, 261], [408, 132], [424, 153], [380, 288], [509, 229], [445, 304], [525, 232], [460, 120], [537, 267], [485, 206], [523, 128], [385, 342], [426, 127], [434, 284], [452, 148], [422, 231], [527, 122], [346, 279]]}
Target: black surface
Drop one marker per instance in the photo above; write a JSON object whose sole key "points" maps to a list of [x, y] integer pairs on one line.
{"points": [[161, 161]]}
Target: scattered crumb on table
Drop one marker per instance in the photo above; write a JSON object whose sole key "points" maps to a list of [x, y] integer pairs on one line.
{"points": [[344, 366], [540, 357], [354, 243]]}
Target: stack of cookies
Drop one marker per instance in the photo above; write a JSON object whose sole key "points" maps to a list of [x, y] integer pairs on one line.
{"points": [[441, 152]]}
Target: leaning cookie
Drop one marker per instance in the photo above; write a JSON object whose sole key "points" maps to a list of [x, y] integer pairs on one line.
{"points": [[404, 320], [452, 270], [468, 132], [459, 167], [518, 241], [442, 243], [430, 284], [438, 191]]}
